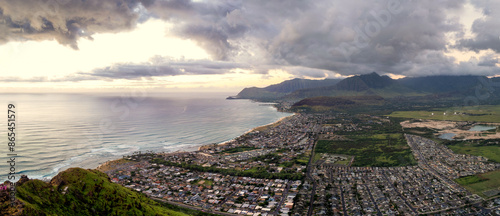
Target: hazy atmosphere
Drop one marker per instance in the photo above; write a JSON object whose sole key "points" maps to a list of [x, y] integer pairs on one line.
{"points": [[175, 45]]}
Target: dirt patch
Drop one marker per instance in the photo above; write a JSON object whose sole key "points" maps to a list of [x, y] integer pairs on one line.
{"points": [[460, 129], [438, 125]]}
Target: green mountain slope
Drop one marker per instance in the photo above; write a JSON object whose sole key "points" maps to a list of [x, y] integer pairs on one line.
{"points": [[351, 103], [362, 85], [442, 84], [279, 90], [78, 191]]}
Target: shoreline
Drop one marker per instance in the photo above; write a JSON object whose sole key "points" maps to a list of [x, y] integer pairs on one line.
{"points": [[204, 146], [111, 164]]}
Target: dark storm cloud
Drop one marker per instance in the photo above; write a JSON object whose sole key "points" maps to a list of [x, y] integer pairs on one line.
{"points": [[337, 36], [488, 61], [347, 37], [352, 37], [64, 20]]}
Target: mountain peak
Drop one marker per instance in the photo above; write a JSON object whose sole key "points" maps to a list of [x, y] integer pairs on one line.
{"points": [[364, 82], [371, 74]]}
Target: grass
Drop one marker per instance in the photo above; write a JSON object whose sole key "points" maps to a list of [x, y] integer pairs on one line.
{"points": [[468, 180], [239, 149], [205, 182], [489, 181], [303, 159], [344, 162], [316, 157], [491, 152], [383, 150], [485, 113]]}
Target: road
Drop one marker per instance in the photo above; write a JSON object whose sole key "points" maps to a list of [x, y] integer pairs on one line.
{"points": [[373, 201], [397, 192], [310, 168], [283, 197], [343, 201], [422, 162]]}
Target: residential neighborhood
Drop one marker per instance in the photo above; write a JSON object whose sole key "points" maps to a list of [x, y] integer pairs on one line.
{"points": [[271, 171]]}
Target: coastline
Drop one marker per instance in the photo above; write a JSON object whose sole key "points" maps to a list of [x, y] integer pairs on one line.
{"points": [[204, 146], [113, 164], [201, 147]]}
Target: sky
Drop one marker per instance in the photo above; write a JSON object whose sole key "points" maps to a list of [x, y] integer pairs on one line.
{"points": [[226, 45]]}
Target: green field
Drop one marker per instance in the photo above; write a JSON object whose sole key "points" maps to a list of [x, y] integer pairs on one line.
{"points": [[239, 149], [486, 113], [381, 150], [488, 181], [491, 152], [468, 180]]}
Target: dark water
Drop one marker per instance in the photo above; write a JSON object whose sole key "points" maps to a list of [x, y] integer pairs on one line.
{"points": [[58, 131]]}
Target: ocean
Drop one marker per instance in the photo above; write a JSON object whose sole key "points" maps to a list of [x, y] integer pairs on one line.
{"points": [[58, 131]]}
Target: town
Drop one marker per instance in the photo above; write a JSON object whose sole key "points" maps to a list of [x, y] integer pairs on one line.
{"points": [[272, 171]]}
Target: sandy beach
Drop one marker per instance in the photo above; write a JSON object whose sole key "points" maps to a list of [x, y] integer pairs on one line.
{"points": [[259, 128]]}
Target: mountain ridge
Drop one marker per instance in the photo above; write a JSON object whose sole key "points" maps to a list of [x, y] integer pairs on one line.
{"points": [[278, 90], [373, 84]]}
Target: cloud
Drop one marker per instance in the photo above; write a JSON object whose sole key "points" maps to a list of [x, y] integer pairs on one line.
{"points": [[309, 38], [65, 20], [39, 79], [486, 29], [159, 67], [17, 79], [345, 37]]}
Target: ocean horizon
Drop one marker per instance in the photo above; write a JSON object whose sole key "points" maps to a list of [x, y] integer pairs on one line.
{"points": [[56, 131]]}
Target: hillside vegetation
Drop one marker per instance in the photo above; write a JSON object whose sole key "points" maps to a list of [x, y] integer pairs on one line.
{"points": [[323, 104], [78, 191]]}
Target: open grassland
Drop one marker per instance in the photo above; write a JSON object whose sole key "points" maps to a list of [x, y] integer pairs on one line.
{"points": [[491, 152], [481, 183], [486, 113], [382, 150]]}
